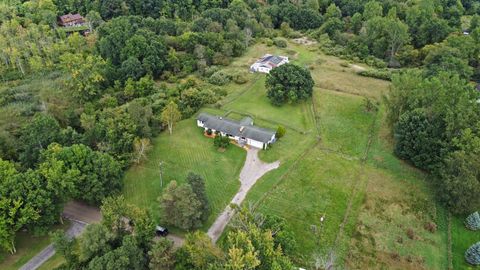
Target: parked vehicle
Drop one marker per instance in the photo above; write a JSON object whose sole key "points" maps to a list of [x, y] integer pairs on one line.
{"points": [[161, 231]]}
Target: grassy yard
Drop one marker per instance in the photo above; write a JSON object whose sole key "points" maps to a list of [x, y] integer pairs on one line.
{"points": [[27, 247], [187, 149], [462, 239]]}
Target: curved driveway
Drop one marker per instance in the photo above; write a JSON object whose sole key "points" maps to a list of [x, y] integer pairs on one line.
{"points": [[253, 169]]}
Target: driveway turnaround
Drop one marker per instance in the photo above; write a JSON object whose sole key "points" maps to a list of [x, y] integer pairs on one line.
{"points": [[76, 228], [253, 169]]}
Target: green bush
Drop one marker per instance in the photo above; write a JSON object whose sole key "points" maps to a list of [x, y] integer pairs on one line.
{"points": [[280, 132], [209, 71], [209, 132], [240, 77], [369, 104], [473, 221], [280, 42], [221, 141], [472, 255], [269, 42], [219, 78]]}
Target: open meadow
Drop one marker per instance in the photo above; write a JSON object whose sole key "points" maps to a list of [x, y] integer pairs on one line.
{"points": [[337, 166]]}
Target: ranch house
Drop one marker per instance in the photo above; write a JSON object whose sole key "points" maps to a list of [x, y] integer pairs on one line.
{"points": [[268, 62], [243, 132]]}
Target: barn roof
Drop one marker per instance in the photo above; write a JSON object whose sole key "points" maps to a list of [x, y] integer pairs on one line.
{"points": [[243, 128]]}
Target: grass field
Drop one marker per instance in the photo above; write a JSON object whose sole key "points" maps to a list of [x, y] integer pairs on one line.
{"points": [[462, 239], [187, 149]]}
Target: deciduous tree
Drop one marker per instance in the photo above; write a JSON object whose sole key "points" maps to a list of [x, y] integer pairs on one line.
{"points": [[170, 115], [289, 83], [180, 206]]}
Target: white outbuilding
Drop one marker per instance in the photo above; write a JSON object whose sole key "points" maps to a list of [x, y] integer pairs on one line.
{"points": [[268, 62]]}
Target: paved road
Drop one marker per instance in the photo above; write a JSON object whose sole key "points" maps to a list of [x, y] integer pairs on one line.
{"points": [[253, 169], [82, 212], [76, 228], [80, 215]]}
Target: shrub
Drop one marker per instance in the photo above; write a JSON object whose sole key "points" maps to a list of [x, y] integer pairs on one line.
{"points": [[410, 233], [221, 141], [269, 42], [473, 221], [472, 255], [209, 132], [369, 105], [240, 78], [280, 42], [431, 227], [280, 132], [210, 70], [219, 78]]}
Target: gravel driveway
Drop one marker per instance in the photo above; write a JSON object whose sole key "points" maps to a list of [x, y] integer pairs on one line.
{"points": [[253, 169]]}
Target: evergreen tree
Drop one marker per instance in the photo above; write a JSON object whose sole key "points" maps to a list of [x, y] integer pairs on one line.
{"points": [[197, 183], [472, 255], [473, 221]]}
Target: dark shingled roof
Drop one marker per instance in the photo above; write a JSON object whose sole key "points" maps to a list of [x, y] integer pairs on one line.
{"points": [[271, 60], [243, 128]]}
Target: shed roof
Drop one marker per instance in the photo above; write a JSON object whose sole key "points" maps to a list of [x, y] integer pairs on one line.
{"points": [[243, 128], [271, 60], [70, 17]]}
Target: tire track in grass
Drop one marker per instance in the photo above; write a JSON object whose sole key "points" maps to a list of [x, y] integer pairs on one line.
{"points": [[294, 165], [355, 190]]}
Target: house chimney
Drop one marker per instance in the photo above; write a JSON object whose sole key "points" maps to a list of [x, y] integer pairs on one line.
{"points": [[242, 128]]}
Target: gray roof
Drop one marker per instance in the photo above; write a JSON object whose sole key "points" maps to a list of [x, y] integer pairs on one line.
{"points": [[271, 60], [243, 128]]}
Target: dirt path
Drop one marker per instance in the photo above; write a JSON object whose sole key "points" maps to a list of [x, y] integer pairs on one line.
{"points": [[253, 169]]}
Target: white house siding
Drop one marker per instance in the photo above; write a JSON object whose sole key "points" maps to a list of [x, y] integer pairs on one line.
{"points": [[200, 123]]}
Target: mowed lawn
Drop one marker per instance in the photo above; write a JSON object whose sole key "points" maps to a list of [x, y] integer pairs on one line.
{"points": [[345, 125], [462, 239], [254, 102], [186, 150]]}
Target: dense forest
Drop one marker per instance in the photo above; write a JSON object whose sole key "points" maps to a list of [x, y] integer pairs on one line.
{"points": [[143, 55]]}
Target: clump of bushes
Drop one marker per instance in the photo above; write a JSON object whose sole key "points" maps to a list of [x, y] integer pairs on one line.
{"points": [[382, 74], [221, 141], [219, 78], [240, 77], [209, 71], [269, 42], [472, 255], [473, 221], [280, 42], [209, 132]]}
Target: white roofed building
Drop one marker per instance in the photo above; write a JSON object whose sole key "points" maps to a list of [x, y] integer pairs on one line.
{"points": [[268, 62]]}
